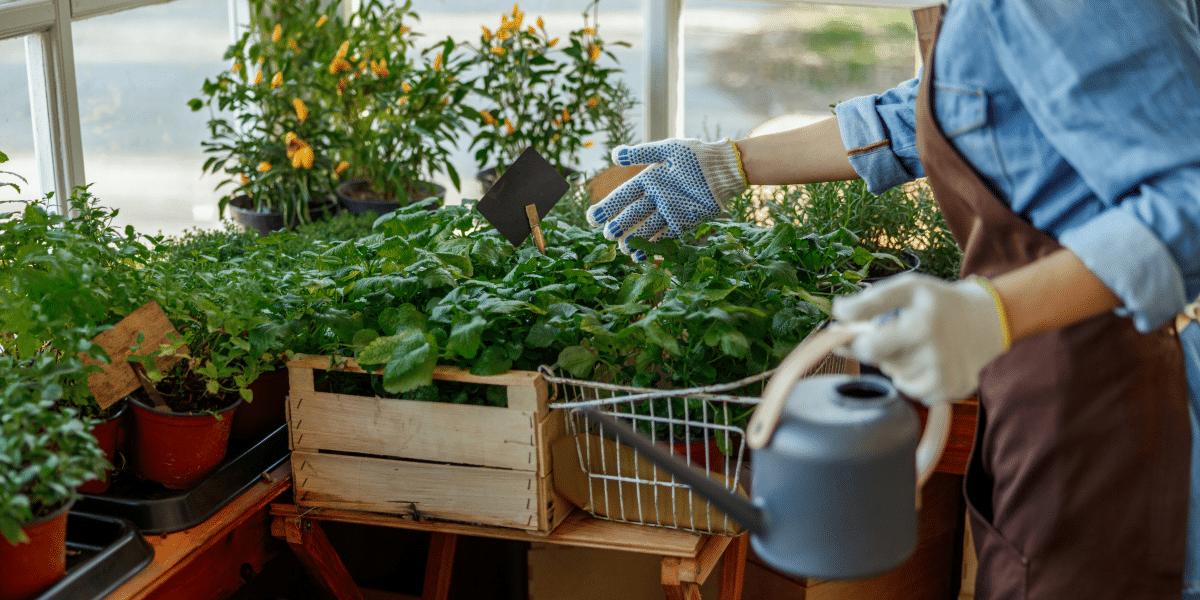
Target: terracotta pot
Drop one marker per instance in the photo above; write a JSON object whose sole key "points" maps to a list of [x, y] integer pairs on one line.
{"points": [[268, 221], [357, 197], [28, 569], [107, 433], [179, 449], [266, 411]]}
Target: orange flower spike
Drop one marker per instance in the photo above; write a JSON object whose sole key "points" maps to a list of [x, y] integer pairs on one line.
{"points": [[277, 80], [405, 29], [343, 49], [503, 34], [487, 33], [566, 116], [437, 62], [322, 20], [294, 46], [593, 101], [594, 51], [541, 24], [589, 31], [264, 166], [552, 42], [402, 101], [245, 180], [407, 88], [589, 144], [508, 126], [532, 30], [290, 138], [516, 9], [487, 117], [380, 68], [237, 67], [498, 50], [341, 85], [258, 78], [278, 33], [262, 59], [342, 166], [301, 110]]}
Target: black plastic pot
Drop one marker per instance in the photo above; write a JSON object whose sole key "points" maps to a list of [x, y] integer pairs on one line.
{"points": [[357, 197], [102, 553], [268, 221]]}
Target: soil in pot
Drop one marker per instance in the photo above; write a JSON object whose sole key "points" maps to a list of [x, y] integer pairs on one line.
{"points": [[180, 446], [266, 222], [358, 197], [883, 268], [266, 411], [107, 432], [30, 568]]}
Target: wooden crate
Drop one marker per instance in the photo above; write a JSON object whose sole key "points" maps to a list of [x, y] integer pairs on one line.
{"points": [[427, 460]]}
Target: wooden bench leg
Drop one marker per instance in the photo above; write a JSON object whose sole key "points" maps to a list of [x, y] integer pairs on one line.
{"points": [[673, 585], [439, 567], [320, 560], [733, 571]]}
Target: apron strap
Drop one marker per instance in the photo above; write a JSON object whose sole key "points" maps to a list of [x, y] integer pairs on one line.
{"points": [[927, 20]]}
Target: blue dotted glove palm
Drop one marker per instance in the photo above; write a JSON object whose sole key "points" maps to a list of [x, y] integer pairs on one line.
{"points": [[686, 183]]}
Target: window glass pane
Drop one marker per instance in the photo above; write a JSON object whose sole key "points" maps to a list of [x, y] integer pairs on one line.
{"points": [[748, 62], [16, 126], [135, 72]]}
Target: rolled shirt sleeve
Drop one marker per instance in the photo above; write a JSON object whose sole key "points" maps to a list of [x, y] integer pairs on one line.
{"points": [[879, 133]]}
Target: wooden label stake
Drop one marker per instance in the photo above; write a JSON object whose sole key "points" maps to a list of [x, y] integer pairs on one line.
{"points": [[535, 224], [118, 378]]}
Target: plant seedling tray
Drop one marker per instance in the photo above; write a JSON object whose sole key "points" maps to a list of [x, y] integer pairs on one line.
{"points": [[102, 553], [154, 509]]}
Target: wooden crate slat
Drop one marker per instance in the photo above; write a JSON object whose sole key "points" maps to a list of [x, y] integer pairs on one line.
{"points": [[551, 427], [441, 372], [453, 433], [421, 490]]}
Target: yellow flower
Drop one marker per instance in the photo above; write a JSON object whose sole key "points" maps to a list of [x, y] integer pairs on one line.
{"points": [[343, 49], [264, 166], [532, 30], [407, 88], [342, 166], [294, 46], [594, 52], [380, 68], [237, 67], [262, 59], [289, 138], [322, 20], [277, 80], [487, 117], [278, 33], [258, 77], [555, 138], [487, 33], [589, 31], [497, 50], [516, 9], [503, 34], [339, 64], [301, 110], [437, 62], [593, 101], [503, 21], [405, 29], [341, 85], [556, 122], [517, 20], [245, 179], [552, 42], [566, 116], [304, 157], [508, 126], [589, 144], [541, 23], [402, 101]]}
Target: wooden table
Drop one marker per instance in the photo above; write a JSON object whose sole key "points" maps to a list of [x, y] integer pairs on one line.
{"points": [[215, 558], [688, 558]]}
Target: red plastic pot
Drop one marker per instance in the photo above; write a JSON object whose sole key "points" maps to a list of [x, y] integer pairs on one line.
{"points": [[179, 449], [698, 451], [106, 433], [266, 411], [30, 568]]}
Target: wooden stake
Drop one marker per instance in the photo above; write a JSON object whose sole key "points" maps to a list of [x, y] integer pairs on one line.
{"points": [[536, 225], [148, 385]]}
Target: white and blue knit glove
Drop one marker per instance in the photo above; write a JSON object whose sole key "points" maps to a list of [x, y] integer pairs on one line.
{"points": [[687, 182]]}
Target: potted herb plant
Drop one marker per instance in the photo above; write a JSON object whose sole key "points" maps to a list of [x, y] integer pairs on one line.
{"points": [[555, 95], [46, 452], [397, 110], [264, 138]]}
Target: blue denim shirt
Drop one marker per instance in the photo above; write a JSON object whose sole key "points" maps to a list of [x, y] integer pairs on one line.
{"points": [[1082, 115]]}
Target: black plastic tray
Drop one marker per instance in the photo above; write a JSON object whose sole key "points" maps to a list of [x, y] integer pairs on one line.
{"points": [[102, 553], [154, 509]]}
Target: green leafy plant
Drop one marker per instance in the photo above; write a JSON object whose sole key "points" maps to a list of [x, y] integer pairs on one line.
{"points": [[554, 98], [4, 159], [397, 111], [263, 137]]}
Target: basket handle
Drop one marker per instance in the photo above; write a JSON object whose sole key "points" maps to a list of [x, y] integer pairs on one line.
{"points": [[795, 365]]}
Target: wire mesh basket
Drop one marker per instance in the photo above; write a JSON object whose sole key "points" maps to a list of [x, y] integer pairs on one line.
{"points": [[704, 426]]}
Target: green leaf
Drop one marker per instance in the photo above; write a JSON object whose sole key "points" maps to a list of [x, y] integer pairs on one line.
{"points": [[493, 361], [467, 336], [577, 360], [734, 344], [412, 364], [541, 335], [364, 337]]}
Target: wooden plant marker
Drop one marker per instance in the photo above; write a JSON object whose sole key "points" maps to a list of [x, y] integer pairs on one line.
{"points": [[610, 179], [522, 197], [119, 378], [535, 225]]}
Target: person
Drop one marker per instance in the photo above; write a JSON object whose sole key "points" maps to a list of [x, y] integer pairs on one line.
{"points": [[1061, 139]]}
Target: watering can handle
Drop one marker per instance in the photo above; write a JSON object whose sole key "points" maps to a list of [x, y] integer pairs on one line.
{"points": [[801, 361]]}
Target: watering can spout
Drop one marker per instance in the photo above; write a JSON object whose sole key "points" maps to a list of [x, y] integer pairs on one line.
{"points": [[738, 508]]}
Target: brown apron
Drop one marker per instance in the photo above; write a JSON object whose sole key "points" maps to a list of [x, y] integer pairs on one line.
{"points": [[1077, 486]]}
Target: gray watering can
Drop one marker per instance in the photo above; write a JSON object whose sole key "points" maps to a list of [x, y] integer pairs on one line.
{"points": [[836, 468]]}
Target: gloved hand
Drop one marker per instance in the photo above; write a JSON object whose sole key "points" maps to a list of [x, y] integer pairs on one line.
{"points": [[687, 182], [936, 340]]}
